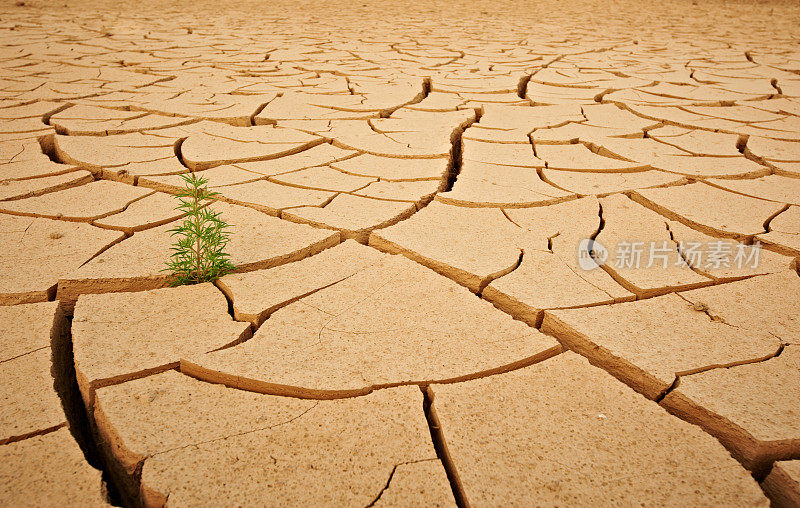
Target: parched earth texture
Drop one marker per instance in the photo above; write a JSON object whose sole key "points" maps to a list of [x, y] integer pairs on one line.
{"points": [[413, 189]]}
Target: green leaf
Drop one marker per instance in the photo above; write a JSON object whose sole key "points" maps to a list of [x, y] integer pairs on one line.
{"points": [[198, 252]]}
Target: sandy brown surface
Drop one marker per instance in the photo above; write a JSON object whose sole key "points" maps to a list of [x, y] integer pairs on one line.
{"points": [[419, 194]]}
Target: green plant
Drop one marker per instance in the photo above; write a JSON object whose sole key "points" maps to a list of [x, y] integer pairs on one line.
{"points": [[199, 253]]}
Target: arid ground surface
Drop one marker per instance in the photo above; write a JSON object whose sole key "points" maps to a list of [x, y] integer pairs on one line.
{"points": [[420, 196]]}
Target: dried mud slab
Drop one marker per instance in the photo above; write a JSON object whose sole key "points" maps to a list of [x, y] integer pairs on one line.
{"points": [[647, 344], [572, 133], [226, 145], [546, 280], [392, 169], [721, 167], [407, 135], [710, 210], [391, 323], [137, 263], [752, 409], [774, 150], [144, 417], [577, 157], [538, 116], [201, 442], [236, 110], [354, 216], [27, 392], [318, 155], [97, 152], [218, 177], [21, 156], [522, 260], [323, 178], [48, 470], [39, 167], [483, 184], [20, 189], [767, 304], [153, 210], [31, 403], [302, 106], [780, 189], [37, 252], [787, 168], [469, 244], [28, 117], [697, 142], [26, 328], [272, 198], [504, 154], [364, 100], [416, 482], [630, 232], [784, 232], [478, 132], [564, 432], [724, 259], [84, 120], [588, 183], [256, 295], [644, 151], [782, 485], [121, 336], [418, 192], [134, 173], [85, 203], [550, 274]]}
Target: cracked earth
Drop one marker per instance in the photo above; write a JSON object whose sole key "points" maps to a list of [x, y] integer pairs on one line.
{"points": [[411, 190]]}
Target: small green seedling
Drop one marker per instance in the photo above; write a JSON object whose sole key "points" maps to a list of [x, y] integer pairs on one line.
{"points": [[199, 253]]}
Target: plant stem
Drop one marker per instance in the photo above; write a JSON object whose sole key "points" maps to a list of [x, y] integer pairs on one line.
{"points": [[199, 260]]}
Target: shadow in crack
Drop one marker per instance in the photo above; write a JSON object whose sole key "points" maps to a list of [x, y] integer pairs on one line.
{"points": [[66, 385]]}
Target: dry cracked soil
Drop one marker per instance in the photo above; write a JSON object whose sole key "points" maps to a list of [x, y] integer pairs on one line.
{"points": [[487, 253]]}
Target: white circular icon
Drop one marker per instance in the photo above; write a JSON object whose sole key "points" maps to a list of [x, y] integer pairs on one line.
{"points": [[591, 254]]}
